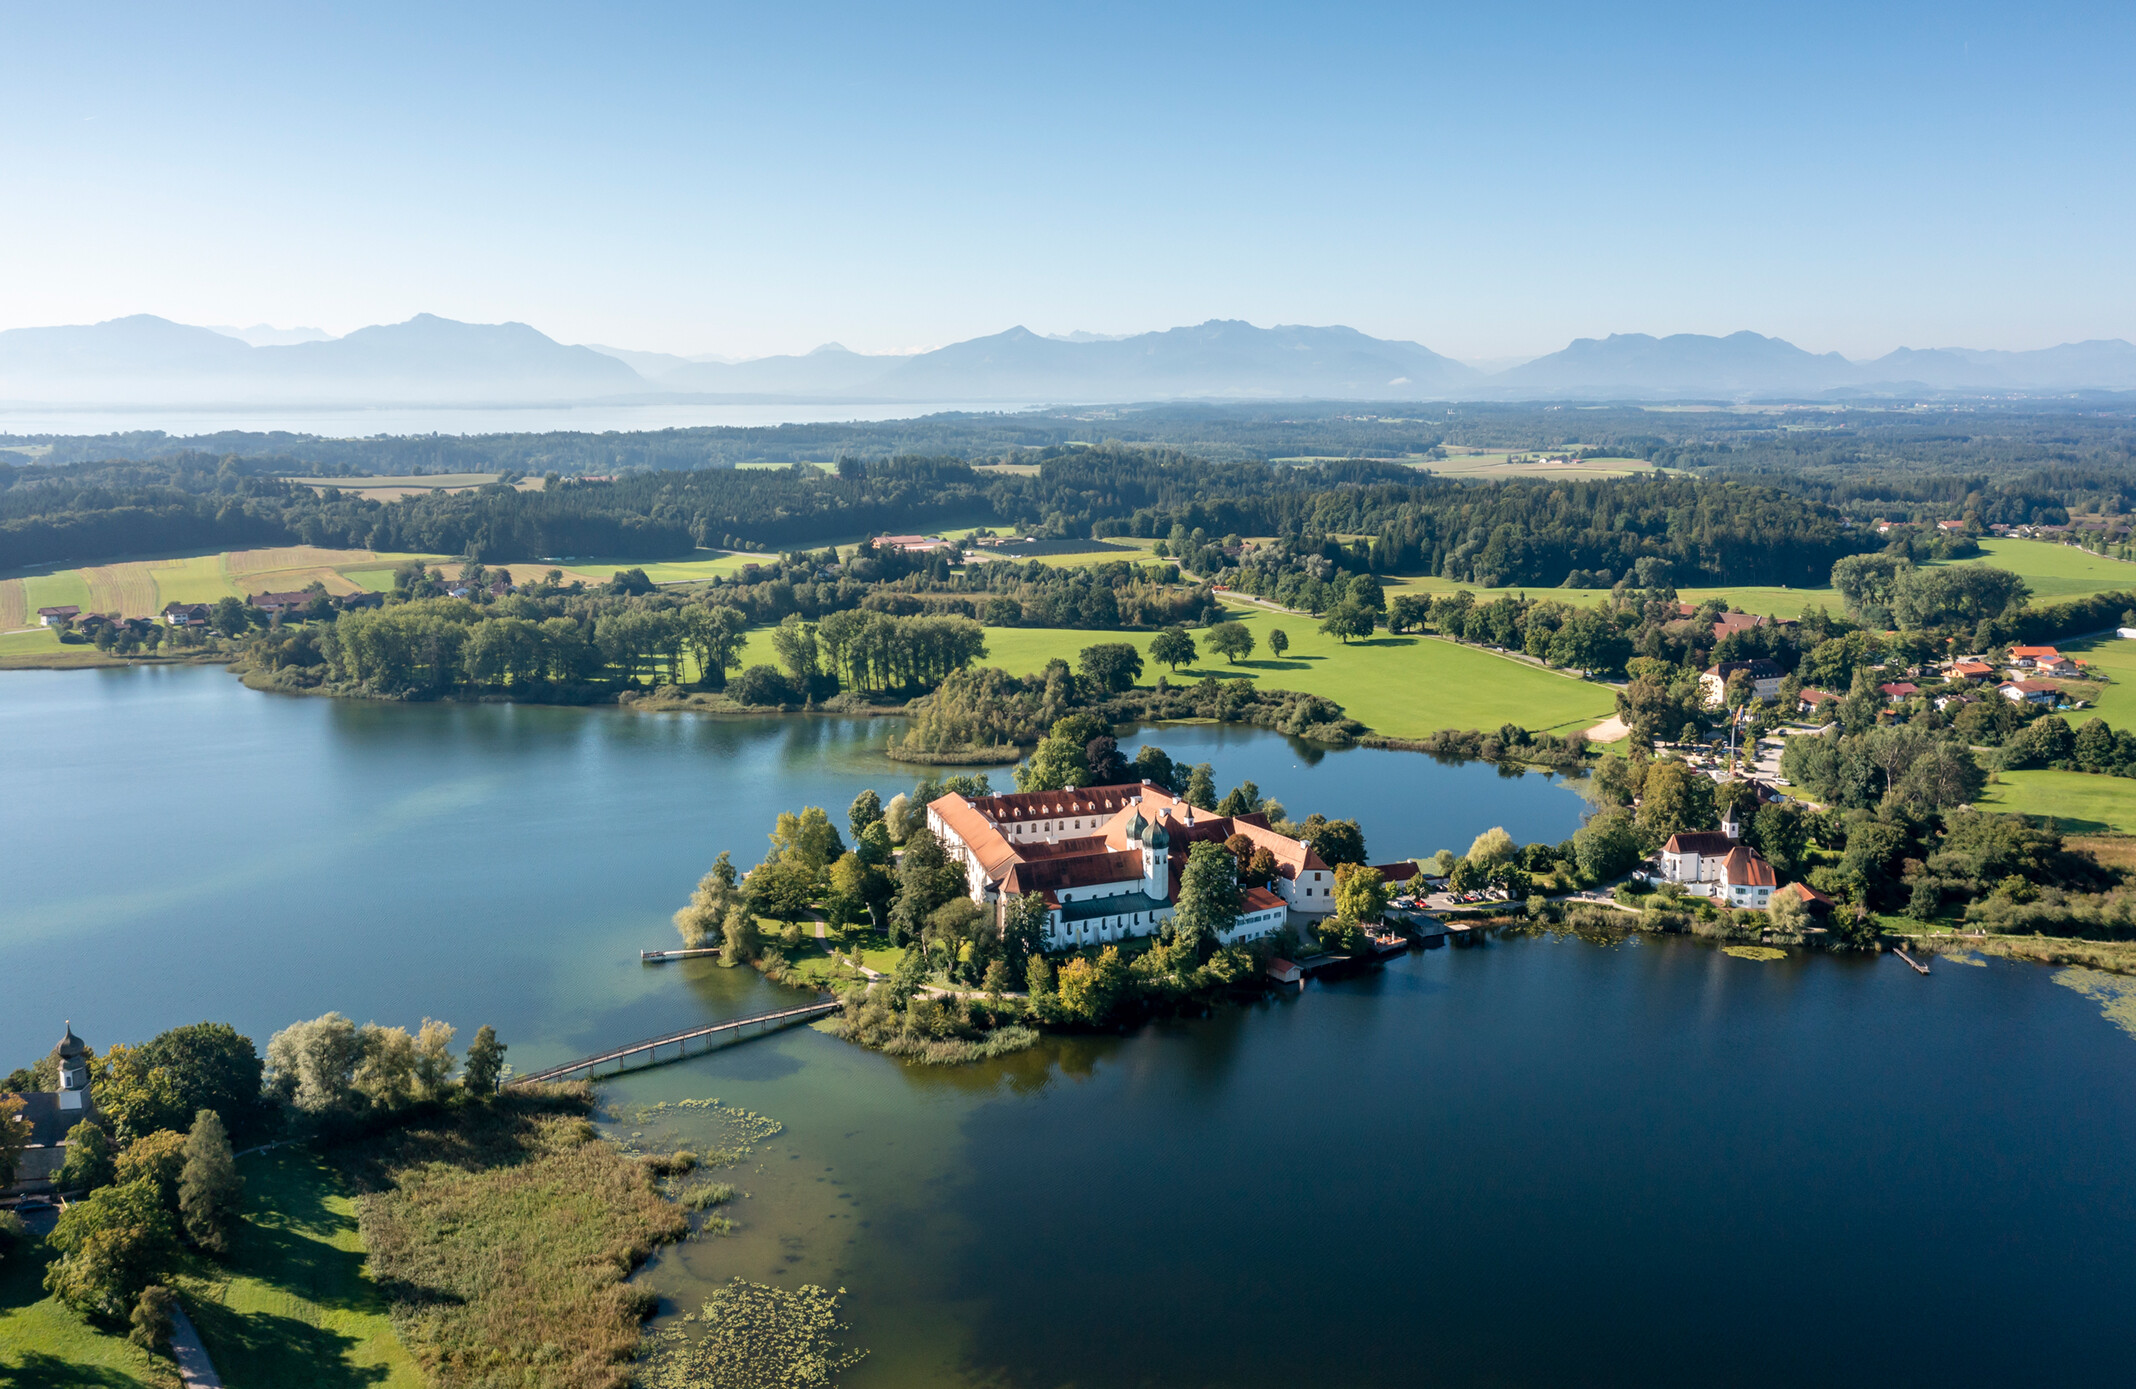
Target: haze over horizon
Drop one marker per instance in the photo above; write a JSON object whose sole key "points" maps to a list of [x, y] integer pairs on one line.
{"points": [[750, 182]]}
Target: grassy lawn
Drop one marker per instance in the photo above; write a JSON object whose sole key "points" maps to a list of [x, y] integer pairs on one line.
{"points": [[295, 1305], [2056, 571], [2115, 659], [1404, 687], [40, 648], [2082, 802], [44, 1345]]}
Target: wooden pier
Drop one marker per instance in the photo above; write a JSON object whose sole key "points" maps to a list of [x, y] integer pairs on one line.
{"points": [[648, 1052], [1919, 968]]}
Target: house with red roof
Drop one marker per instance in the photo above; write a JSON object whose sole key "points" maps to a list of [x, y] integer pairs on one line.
{"points": [[1746, 879]]}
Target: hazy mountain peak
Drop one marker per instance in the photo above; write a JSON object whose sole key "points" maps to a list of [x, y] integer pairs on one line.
{"points": [[267, 335]]}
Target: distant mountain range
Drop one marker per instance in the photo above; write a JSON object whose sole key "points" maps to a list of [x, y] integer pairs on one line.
{"points": [[144, 360]]}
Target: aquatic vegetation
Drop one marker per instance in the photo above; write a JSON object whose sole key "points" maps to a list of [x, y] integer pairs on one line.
{"points": [[2114, 993], [1754, 952], [707, 1195], [752, 1336]]}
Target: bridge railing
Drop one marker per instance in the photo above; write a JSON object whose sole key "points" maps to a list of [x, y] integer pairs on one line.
{"points": [[676, 1039]]}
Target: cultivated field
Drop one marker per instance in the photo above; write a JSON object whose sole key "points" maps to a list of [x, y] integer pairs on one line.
{"points": [[1521, 463], [382, 488]]}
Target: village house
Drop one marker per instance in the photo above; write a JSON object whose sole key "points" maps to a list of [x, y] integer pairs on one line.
{"points": [[1811, 700], [58, 617], [1971, 668], [280, 604], [1898, 692], [186, 614], [49, 1116], [2030, 692], [1765, 677], [1107, 860], [1813, 901], [911, 544], [1730, 623], [2033, 657], [1745, 879]]}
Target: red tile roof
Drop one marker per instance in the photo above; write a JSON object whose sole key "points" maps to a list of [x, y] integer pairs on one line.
{"points": [[1746, 868]]}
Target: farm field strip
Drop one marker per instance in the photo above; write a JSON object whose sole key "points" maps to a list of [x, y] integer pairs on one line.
{"points": [[14, 605], [291, 557], [55, 591], [125, 589], [417, 482]]}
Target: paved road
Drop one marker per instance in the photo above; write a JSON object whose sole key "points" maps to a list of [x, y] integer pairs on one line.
{"points": [[194, 1367]]}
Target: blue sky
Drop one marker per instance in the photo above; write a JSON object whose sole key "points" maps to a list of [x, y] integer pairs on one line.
{"points": [[1490, 180]]}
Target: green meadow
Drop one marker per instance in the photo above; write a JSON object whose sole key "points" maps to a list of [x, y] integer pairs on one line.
{"points": [[295, 1305], [2053, 572], [45, 1345], [1401, 686], [2081, 802]]}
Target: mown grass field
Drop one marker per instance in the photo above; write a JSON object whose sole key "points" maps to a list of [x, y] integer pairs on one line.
{"points": [[2053, 571], [2056, 571], [1404, 687], [1497, 463], [2114, 658], [2081, 802], [141, 588], [45, 1345], [295, 1305]]}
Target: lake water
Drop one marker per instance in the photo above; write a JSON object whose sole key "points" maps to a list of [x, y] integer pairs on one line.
{"points": [[363, 422], [1533, 1162]]}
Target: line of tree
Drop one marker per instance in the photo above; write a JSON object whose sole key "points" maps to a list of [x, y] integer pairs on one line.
{"points": [[158, 1175]]}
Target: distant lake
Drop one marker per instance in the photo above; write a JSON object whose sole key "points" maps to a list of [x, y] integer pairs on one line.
{"points": [[357, 422], [1531, 1162]]}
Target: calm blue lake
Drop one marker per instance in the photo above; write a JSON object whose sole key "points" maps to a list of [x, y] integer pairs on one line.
{"points": [[1539, 1161]]}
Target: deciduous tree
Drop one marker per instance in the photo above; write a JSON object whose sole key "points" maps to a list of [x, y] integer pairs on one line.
{"points": [[485, 1062]]}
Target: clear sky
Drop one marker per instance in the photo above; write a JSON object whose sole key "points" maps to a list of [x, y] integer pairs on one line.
{"points": [[1488, 179]]}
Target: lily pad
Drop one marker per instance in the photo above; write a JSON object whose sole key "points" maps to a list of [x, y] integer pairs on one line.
{"points": [[1754, 952]]}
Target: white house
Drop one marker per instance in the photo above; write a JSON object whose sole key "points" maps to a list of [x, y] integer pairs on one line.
{"points": [[1765, 677], [1746, 879], [1694, 856]]}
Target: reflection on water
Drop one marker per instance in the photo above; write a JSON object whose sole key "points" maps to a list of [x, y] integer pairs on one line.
{"points": [[226, 854], [1541, 1161], [1538, 1161]]}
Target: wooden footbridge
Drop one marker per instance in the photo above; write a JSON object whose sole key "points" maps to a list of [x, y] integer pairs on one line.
{"points": [[679, 1044]]}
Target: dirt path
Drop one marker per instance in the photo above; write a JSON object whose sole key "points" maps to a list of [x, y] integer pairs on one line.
{"points": [[1608, 731]]}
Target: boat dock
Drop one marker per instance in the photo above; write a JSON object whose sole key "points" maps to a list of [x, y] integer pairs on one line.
{"points": [[661, 957], [1919, 968]]}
